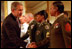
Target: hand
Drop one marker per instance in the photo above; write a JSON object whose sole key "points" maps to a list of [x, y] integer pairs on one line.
{"points": [[32, 45]]}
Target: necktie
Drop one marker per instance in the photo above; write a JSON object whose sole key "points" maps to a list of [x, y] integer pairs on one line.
{"points": [[18, 22]]}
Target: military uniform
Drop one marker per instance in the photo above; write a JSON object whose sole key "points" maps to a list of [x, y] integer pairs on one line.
{"points": [[31, 29], [38, 33], [60, 33]]}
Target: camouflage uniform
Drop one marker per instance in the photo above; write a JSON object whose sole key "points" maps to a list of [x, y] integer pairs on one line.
{"points": [[39, 32]]}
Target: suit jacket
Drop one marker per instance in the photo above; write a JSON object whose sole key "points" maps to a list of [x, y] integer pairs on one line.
{"points": [[59, 36], [11, 33]]}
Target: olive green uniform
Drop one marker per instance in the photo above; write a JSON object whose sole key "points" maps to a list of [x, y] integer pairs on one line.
{"points": [[60, 33], [38, 32]]}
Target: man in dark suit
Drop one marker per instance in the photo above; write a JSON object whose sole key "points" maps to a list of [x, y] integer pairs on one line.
{"points": [[10, 28], [60, 32]]}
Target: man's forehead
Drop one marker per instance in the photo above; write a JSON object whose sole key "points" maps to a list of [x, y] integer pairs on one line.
{"points": [[52, 5], [18, 6], [38, 15]]}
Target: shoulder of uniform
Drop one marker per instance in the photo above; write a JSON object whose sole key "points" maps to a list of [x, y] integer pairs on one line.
{"points": [[46, 23], [32, 24], [64, 19]]}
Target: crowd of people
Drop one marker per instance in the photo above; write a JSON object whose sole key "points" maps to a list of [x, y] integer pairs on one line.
{"points": [[35, 31]]}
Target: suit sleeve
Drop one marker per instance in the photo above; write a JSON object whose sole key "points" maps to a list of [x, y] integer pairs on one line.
{"points": [[27, 33], [12, 34], [66, 31], [25, 36]]}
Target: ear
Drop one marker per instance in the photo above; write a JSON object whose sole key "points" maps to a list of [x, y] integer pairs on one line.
{"points": [[12, 10], [56, 8], [42, 16]]}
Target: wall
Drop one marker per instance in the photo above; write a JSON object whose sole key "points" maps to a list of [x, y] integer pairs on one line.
{"points": [[2, 11], [42, 6], [38, 7]]}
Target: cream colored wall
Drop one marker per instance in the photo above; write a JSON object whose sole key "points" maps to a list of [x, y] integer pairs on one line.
{"points": [[2, 11], [9, 6], [29, 10], [41, 7], [38, 7]]}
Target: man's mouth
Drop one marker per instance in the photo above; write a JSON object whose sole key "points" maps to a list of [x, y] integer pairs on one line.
{"points": [[20, 14]]}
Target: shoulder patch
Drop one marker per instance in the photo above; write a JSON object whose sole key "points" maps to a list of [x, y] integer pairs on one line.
{"points": [[32, 26], [68, 27], [46, 27], [56, 25]]}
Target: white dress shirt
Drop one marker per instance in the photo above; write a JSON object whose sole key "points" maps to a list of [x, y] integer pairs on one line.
{"points": [[24, 28]]}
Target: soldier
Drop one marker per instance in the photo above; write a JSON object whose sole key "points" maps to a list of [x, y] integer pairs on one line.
{"points": [[39, 29], [60, 32]]}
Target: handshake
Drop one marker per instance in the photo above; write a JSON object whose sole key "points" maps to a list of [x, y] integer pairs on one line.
{"points": [[32, 45]]}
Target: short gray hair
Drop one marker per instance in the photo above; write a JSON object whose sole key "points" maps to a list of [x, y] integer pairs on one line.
{"points": [[14, 5]]}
